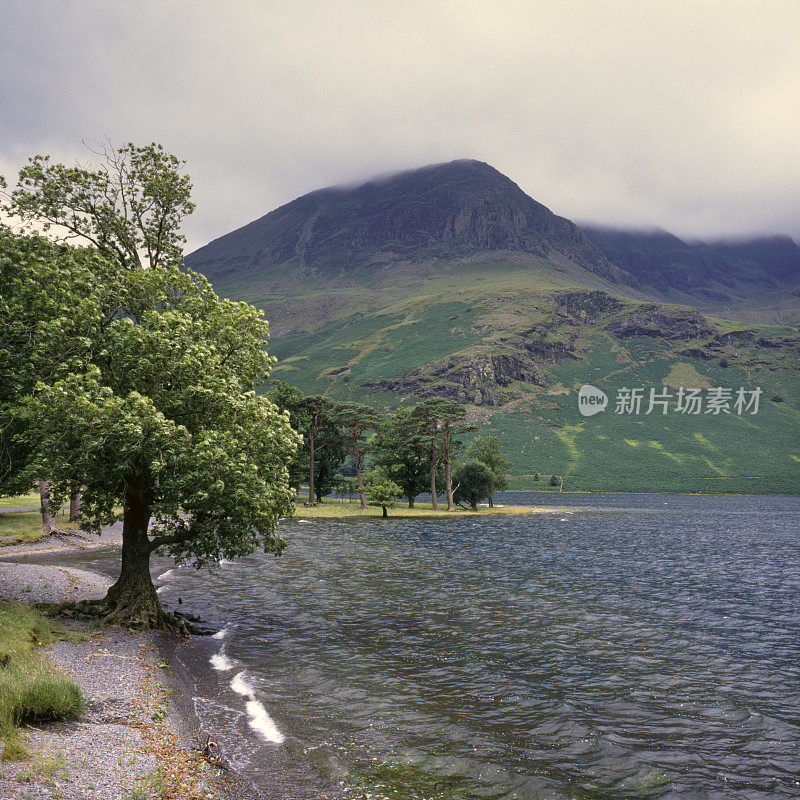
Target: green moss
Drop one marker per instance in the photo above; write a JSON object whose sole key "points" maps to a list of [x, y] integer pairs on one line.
{"points": [[393, 780]]}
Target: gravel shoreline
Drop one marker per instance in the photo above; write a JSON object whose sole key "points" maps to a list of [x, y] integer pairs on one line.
{"points": [[135, 738]]}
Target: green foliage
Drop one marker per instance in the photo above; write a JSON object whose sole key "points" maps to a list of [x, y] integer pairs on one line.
{"points": [[324, 440], [290, 400], [474, 481], [133, 202], [400, 456], [43, 334], [382, 492], [162, 404], [487, 450]]}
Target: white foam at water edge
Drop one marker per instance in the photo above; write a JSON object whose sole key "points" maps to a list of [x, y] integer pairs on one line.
{"points": [[165, 574], [224, 561], [241, 686], [160, 589], [305, 521], [221, 662], [220, 634], [262, 723]]}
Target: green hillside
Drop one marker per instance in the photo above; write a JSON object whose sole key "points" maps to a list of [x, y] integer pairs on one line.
{"points": [[515, 343], [513, 329]]}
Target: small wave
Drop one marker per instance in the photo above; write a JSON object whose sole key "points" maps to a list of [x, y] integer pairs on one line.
{"points": [[166, 574], [305, 521], [262, 723], [221, 662], [240, 685], [220, 634], [258, 718], [224, 561], [160, 589]]}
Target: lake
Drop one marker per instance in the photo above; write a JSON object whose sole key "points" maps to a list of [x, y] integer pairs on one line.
{"points": [[632, 646]]}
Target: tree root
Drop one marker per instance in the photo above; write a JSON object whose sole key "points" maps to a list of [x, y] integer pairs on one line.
{"points": [[61, 533], [141, 617]]}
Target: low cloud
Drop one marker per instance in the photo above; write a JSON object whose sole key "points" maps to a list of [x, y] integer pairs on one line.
{"points": [[679, 115]]}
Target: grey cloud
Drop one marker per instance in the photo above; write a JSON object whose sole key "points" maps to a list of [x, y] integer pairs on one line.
{"points": [[681, 115]]}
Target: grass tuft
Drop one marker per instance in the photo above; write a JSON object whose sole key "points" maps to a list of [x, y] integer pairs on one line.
{"points": [[31, 690]]}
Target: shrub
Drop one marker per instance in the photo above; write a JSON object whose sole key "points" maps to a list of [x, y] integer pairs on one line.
{"points": [[383, 493]]}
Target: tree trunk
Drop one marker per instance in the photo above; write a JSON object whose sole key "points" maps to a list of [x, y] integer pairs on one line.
{"points": [[491, 501], [384, 515], [360, 481], [410, 499], [48, 517], [433, 478], [132, 601], [311, 467], [448, 483], [75, 506]]}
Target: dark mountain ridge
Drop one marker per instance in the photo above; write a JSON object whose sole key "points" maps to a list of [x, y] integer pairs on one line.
{"points": [[662, 261], [442, 211]]}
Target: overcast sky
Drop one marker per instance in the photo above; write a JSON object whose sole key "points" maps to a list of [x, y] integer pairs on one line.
{"points": [[681, 114]]}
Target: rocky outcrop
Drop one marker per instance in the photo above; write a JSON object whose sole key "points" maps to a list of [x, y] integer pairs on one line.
{"points": [[658, 321], [482, 379], [587, 306]]}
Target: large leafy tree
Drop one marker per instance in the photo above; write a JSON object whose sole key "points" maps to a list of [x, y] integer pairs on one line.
{"points": [[129, 377], [129, 205], [487, 450], [159, 415], [52, 299]]}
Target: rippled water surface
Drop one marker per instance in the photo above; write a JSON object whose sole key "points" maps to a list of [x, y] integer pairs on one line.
{"points": [[633, 646]]}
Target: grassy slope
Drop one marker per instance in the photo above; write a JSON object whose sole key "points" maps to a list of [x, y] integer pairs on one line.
{"points": [[382, 326]]}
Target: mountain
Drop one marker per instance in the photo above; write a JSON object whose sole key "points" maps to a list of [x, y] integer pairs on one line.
{"points": [[450, 281], [441, 211], [722, 274]]}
